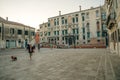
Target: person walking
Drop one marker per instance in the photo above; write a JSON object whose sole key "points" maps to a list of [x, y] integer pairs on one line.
{"points": [[38, 47], [30, 50], [51, 46]]}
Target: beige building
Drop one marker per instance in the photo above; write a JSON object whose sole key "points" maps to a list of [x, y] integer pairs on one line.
{"points": [[75, 29], [14, 35], [43, 32], [113, 24]]}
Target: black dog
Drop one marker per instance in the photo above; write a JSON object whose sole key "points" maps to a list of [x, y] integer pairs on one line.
{"points": [[13, 58]]}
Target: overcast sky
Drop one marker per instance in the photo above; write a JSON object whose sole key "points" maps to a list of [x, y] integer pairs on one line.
{"points": [[35, 12]]}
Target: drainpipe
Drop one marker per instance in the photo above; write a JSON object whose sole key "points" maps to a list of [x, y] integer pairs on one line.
{"points": [[3, 34], [109, 36], [1, 39], [117, 40]]}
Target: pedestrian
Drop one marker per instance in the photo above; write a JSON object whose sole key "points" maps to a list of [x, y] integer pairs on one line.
{"points": [[38, 47], [51, 46], [30, 50]]}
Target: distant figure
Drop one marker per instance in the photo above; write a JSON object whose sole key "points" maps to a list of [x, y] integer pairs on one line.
{"points": [[51, 46], [37, 40], [27, 46], [14, 58], [38, 47], [30, 50]]}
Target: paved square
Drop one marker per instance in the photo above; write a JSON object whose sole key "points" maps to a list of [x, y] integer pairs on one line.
{"points": [[57, 64]]}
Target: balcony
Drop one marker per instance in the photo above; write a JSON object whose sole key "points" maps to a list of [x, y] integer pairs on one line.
{"points": [[111, 20]]}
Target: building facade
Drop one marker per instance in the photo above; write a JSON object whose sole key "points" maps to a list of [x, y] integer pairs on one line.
{"points": [[76, 28], [43, 30], [15, 35], [113, 24]]}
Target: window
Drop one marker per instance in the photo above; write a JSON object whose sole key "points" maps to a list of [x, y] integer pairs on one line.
{"points": [[103, 16], [57, 38], [88, 34], [84, 37], [19, 41], [83, 30], [73, 31], [62, 20], [19, 31], [73, 20], [76, 19], [66, 32], [97, 13], [65, 21], [62, 32], [32, 33], [48, 33], [54, 32], [26, 32], [55, 22], [77, 37], [62, 38], [66, 40], [98, 34], [57, 32], [83, 19], [77, 31], [48, 23]]}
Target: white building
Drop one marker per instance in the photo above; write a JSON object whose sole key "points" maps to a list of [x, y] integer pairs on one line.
{"points": [[74, 29], [14, 35]]}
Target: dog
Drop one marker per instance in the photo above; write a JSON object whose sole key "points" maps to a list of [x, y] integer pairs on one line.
{"points": [[14, 58]]}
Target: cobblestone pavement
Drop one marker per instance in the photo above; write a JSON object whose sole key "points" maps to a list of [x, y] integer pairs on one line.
{"points": [[59, 64]]}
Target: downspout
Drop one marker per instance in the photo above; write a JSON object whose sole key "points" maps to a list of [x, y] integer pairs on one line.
{"points": [[117, 39]]}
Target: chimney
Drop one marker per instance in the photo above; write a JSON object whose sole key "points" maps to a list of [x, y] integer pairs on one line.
{"points": [[59, 13], [80, 7], [6, 18]]}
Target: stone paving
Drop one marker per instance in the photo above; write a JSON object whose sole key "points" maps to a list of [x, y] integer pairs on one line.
{"points": [[59, 64]]}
